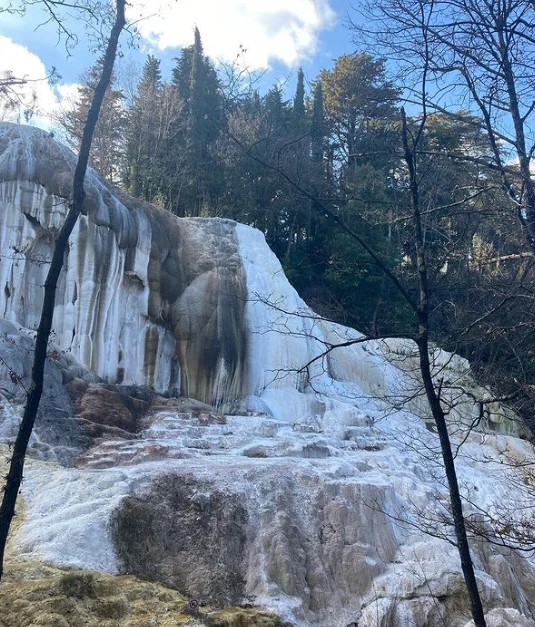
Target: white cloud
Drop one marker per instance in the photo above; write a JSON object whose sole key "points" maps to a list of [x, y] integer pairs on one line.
{"points": [[68, 95], [283, 30], [18, 61]]}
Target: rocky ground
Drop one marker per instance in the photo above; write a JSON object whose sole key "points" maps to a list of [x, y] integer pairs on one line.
{"points": [[33, 594]]}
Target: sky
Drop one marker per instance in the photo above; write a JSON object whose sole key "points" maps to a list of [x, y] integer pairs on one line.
{"points": [[272, 36]]}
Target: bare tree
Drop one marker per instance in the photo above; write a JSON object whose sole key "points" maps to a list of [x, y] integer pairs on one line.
{"points": [[14, 96], [470, 55], [96, 17], [14, 477], [432, 393]]}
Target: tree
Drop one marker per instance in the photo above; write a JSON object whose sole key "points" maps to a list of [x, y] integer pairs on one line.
{"points": [[298, 158], [317, 125], [16, 467], [298, 111], [358, 101], [14, 98], [237, 81], [454, 55], [194, 132], [143, 168], [95, 14], [465, 51], [18, 94], [107, 146], [421, 306], [357, 139]]}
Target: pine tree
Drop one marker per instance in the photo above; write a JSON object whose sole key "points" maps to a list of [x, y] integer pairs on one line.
{"points": [[275, 109], [108, 141], [358, 102], [143, 167]]}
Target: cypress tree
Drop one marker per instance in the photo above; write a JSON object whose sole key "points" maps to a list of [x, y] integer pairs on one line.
{"points": [[317, 126], [196, 101], [194, 175], [298, 113]]}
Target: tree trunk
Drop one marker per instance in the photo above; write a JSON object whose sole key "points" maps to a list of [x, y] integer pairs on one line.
{"points": [[14, 477], [434, 401], [453, 485]]}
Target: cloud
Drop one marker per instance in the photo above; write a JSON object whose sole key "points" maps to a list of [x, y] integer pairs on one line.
{"points": [[273, 30], [36, 93], [68, 94], [19, 62]]}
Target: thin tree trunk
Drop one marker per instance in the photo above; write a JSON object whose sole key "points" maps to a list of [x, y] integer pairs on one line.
{"points": [[453, 485], [434, 401], [16, 468]]}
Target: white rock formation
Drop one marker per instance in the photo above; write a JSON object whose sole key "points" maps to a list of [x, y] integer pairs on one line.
{"points": [[143, 294], [320, 494]]}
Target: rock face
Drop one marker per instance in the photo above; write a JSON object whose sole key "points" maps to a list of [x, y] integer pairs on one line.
{"points": [[145, 298], [297, 476], [197, 307], [57, 436], [197, 542]]}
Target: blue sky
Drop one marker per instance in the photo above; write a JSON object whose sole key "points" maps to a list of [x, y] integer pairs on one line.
{"points": [[278, 35]]}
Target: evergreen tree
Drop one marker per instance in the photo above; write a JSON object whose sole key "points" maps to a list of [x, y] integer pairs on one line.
{"points": [[306, 260], [143, 167], [317, 125], [359, 103], [256, 103], [298, 112], [352, 135], [197, 101], [298, 162], [108, 141], [275, 112], [195, 189]]}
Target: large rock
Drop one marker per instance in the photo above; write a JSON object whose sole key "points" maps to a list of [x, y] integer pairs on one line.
{"points": [[197, 538]]}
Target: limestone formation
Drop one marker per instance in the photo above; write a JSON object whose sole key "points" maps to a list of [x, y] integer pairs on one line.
{"points": [[145, 298], [200, 429]]}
